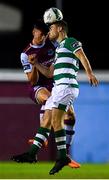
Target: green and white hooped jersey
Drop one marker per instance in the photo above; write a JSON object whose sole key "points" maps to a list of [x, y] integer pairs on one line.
{"points": [[66, 63]]}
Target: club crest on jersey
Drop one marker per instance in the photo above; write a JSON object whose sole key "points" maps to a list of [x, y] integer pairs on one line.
{"points": [[50, 52]]}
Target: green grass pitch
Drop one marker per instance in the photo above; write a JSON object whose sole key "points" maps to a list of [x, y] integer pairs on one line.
{"points": [[40, 170]]}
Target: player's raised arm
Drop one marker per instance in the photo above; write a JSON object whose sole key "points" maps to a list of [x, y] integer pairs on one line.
{"points": [[86, 64], [46, 71]]}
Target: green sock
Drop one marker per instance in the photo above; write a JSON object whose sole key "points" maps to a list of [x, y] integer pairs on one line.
{"points": [[60, 139], [41, 135]]}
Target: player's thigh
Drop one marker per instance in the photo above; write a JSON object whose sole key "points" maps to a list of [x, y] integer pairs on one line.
{"points": [[42, 95]]}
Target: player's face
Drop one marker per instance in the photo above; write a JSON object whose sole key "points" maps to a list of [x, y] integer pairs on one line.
{"points": [[53, 32], [39, 37]]}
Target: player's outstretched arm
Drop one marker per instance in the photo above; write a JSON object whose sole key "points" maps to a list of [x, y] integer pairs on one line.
{"points": [[86, 64]]}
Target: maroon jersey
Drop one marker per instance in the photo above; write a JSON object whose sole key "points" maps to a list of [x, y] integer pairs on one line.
{"points": [[45, 55]]}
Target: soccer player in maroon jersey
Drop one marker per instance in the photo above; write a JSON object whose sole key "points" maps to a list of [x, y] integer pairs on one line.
{"points": [[40, 86]]}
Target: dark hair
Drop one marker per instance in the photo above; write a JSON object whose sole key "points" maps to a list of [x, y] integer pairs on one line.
{"points": [[39, 24]]}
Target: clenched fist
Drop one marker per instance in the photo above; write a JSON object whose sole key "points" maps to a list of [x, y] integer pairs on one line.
{"points": [[32, 59]]}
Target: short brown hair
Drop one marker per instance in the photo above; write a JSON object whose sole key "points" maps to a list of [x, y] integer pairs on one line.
{"points": [[63, 24]]}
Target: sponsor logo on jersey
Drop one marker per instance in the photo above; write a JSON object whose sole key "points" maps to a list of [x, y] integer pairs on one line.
{"points": [[49, 62], [76, 44]]}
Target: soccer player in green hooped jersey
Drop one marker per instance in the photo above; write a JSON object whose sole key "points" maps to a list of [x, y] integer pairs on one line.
{"points": [[39, 85], [65, 90]]}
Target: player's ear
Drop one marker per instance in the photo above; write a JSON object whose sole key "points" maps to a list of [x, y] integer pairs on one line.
{"points": [[59, 28]]}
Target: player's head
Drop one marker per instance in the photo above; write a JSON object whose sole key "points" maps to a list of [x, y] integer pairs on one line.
{"points": [[40, 30], [57, 28], [40, 25]]}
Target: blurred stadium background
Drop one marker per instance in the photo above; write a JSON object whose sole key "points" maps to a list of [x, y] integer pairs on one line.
{"points": [[19, 115]]}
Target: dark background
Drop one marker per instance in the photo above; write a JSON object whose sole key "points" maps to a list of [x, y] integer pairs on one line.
{"points": [[88, 22]]}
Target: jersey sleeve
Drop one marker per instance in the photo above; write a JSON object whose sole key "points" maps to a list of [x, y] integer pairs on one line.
{"points": [[73, 45], [27, 67]]}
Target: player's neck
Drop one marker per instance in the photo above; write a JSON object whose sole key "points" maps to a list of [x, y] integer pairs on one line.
{"points": [[61, 37]]}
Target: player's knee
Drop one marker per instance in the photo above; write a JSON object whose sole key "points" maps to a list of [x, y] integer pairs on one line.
{"points": [[42, 96], [40, 101]]}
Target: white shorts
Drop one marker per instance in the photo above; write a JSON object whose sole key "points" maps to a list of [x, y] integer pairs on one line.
{"points": [[62, 96]]}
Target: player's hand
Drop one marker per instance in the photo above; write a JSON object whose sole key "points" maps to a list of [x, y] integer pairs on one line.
{"points": [[32, 59], [93, 80]]}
